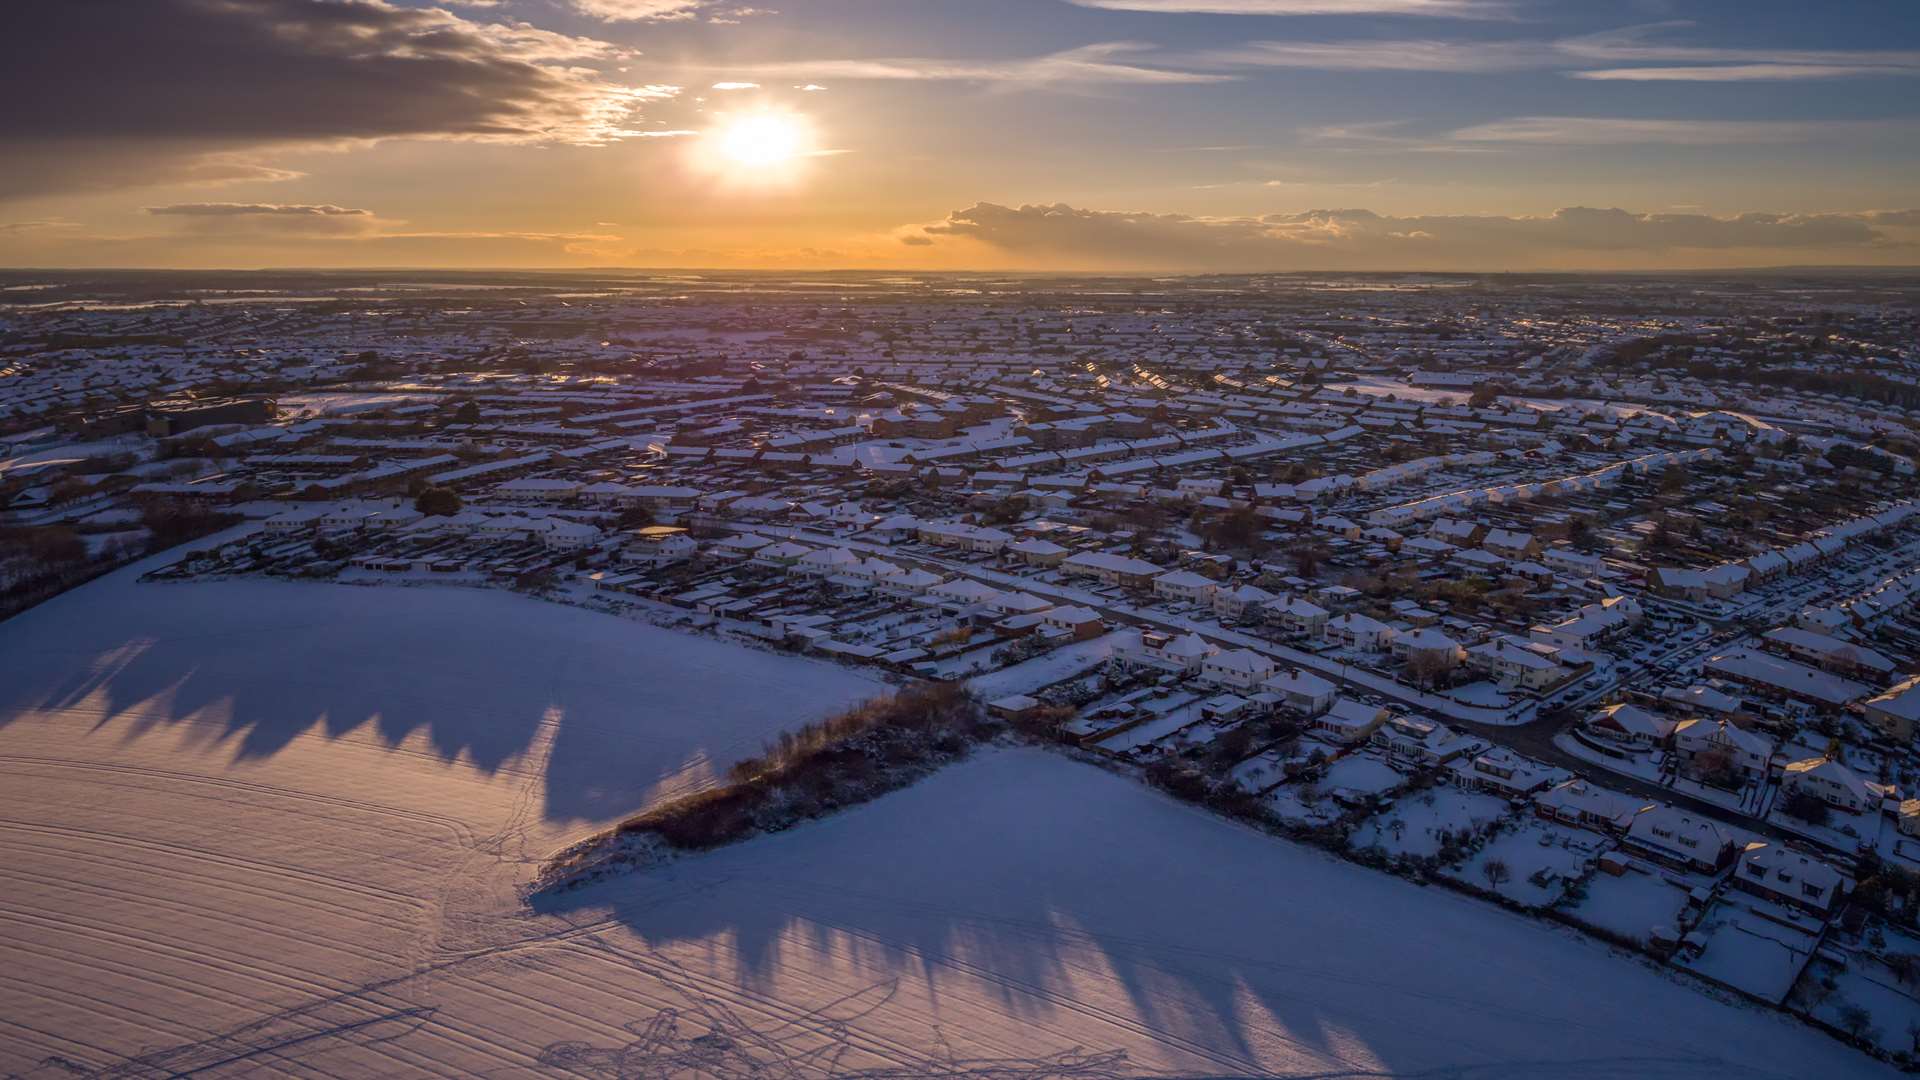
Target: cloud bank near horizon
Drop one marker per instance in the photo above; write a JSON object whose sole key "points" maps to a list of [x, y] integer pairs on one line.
{"points": [[1063, 235]]}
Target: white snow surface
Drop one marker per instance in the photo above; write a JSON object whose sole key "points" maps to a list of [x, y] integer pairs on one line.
{"points": [[253, 828]]}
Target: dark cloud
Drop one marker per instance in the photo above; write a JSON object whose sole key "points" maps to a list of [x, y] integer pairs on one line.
{"points": [[107, 93], [1316, 239]]}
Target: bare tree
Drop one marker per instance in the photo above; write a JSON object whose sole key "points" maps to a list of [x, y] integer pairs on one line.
{"points": [[1496, 872]]}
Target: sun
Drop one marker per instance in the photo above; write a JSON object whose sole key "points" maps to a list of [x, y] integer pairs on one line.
{"points": [[761, 140], [760, 148]]}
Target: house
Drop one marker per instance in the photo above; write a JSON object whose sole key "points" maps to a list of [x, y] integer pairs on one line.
{"points": [[1424, 644], [1789, 877], [1832, 783], [1239, 669], [1500, 771], [959, 534], [1514, 665], [1349, 721], [1302, 691], [1240, 602], [1746, 753], [1110, 569], [1185, 585], [1420, 741], [1785, 678], [658, 545], [1679, 839], [1184, 652], [1077, 623], [1593, 623], [1300, 616], [1831, 653], [1509, 544], [826, 562], [1036, 552], [1629, 725], [1357, 631], [781, 555], [1577, 802], [964, 593], [1896, 711]]}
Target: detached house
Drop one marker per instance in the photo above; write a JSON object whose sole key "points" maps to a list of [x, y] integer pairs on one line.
{"points": [[1238, 669], [1832, 783], [1745, 751], [1630, 725], [1350, 721], [1675, 838], [1789, 877], [1241, 602], [1357, 631], [1302, 691]]}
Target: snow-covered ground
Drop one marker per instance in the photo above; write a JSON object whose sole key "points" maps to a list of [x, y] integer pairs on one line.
{"points": [[256, 828], [219, 801]]}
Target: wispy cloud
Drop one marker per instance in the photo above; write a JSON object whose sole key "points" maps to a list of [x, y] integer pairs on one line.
{"points": [[1448, 9], [1637, 45], [1633, 53], [1470, 57], [234, 209], [1619, 131], [1090, 64]]}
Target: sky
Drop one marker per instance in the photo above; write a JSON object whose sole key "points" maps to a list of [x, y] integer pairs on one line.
{"points": [[1072, 135]]}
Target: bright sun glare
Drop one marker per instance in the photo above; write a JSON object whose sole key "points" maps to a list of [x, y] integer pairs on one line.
{"points": [[761, 141], [757, 148]]}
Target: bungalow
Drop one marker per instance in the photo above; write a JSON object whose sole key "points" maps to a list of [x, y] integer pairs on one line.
{"points": [[1832, 783], [1678, 839], [912, 581], [959, 534], [781, 555], [1790, 877], [1239, 669], [1079, 623], [1302, 691], [964, 592], [1185, 585], [826, 562], [1630, 725], [1350, 721], [1577, 802]]}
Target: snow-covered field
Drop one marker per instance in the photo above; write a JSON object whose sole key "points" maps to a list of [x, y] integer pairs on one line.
{"points": [[254, 828], [221, 801]]}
